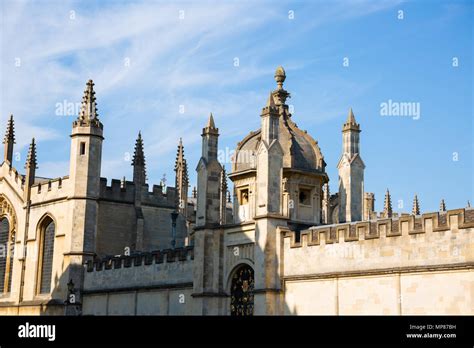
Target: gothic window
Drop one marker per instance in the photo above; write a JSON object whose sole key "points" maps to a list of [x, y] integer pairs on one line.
{"points": [[5, 265], [241, 291], [47, 232]]}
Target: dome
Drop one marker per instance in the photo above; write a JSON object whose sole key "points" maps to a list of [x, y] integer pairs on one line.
{"points": [[301, 151]]}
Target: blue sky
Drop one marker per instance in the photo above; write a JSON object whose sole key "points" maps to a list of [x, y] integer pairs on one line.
{"points": [[49, 49]]}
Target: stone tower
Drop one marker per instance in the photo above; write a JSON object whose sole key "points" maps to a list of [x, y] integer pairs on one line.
{"points": [[351, 173], [84, 177], [208, 236], [9, 140]]}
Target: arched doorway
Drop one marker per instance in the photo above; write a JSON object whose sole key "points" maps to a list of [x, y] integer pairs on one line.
{"points": [[241, 291]]}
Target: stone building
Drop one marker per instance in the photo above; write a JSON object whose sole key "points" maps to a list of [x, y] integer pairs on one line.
{"points": [[283, 245]]}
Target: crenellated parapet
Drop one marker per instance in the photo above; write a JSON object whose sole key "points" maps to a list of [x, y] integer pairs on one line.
{"points": [[164, 269], [49, 189], [141, 259], [441, 240], [124, 192], [390, 227]]}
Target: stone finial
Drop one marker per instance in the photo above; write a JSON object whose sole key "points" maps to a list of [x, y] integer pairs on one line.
{"points": [[10, 133], [194, 192], [31, 158], [416, 206], [351, 123], [280, 76], [88, 115], [387, 209], [229, 199], [442, 206], [468, 204]]}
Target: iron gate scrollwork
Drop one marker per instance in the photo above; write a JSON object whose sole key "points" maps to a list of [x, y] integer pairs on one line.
{"points": [[241, 292]]}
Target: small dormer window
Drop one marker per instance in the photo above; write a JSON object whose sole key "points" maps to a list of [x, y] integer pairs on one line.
{"points": [[305, 196], [82, 149]]}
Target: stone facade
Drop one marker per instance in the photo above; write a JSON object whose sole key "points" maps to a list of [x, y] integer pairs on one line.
{"points": [[283, 246]]}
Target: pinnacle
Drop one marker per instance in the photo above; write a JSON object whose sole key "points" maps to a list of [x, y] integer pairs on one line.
{"points": [[139, 155], [416, 206], [210, 122], [271, 101], [387, 205], [10, 133], [350, 117], [442, 206], [31, 158], [88, 111]]}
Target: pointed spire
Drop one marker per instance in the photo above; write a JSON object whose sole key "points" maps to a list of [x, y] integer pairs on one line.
{"points": [[138, 161], [442, 206], [416, 206], [10, 133], [271, 101], [351, 123], [181, 179], [210, 121], [223, 197], [9, 140], [210, 126], [88, 115], [229, 199], [223, 181], [387, 206], [31, 158], [195, 192], [468, 204]]}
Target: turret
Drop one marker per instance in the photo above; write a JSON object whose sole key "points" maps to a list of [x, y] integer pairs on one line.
{"points": [[351, 173], [209, 178], [9, 140], [84, 174], [270, 156]]}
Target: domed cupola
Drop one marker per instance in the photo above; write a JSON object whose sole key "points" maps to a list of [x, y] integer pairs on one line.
{"points": [[303, 163]]}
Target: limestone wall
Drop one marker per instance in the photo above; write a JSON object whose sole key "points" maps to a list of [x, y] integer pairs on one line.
{"points": [[158, 283], [409, 265]]}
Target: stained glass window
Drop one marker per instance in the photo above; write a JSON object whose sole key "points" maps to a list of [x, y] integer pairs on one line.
{"points": [[4, 230], [47, 256], [241, 301]]}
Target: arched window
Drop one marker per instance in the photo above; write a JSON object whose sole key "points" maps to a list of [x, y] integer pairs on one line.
{"points": [[47, 232], [241, 291], [4, 251]]}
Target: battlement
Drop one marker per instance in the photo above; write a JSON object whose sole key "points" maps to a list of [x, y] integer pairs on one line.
{"points": [[391, 227], [141, 259], [441, 239], [47, 189], [124, 191], [157, 269]]}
